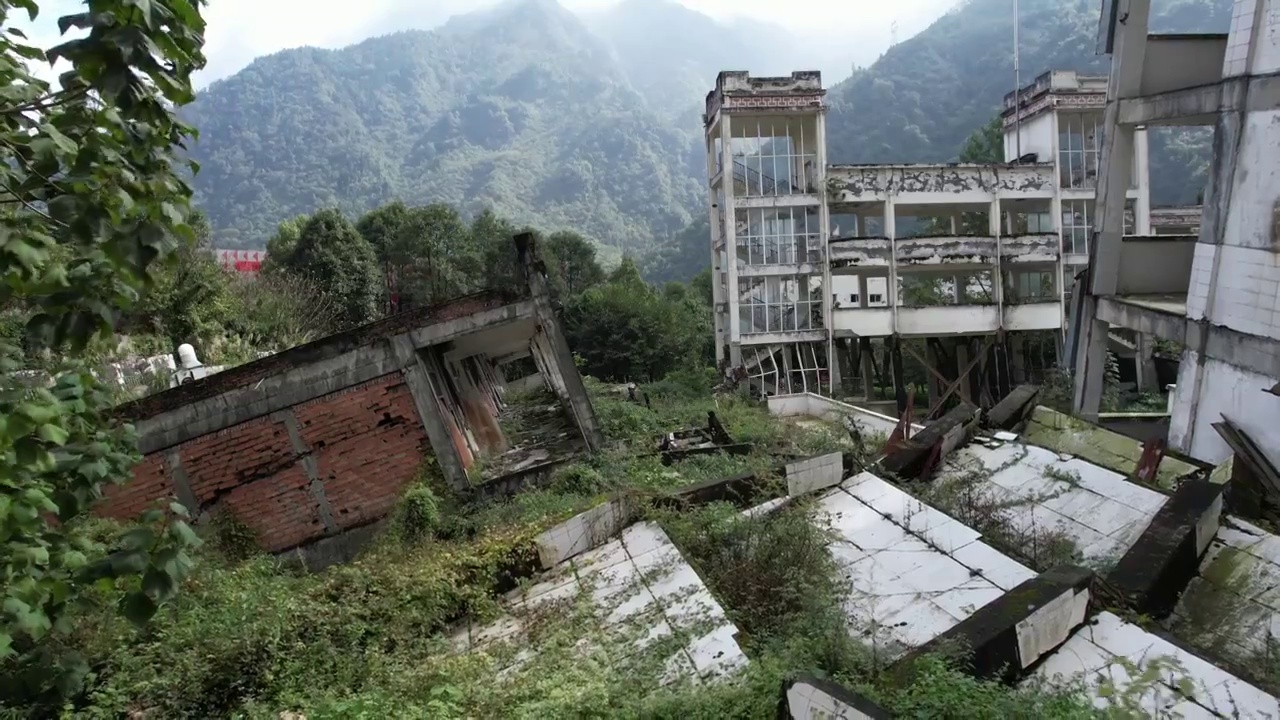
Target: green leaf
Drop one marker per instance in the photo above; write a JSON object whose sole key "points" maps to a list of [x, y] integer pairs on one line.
{"points": [[183, 533], [179, 509], [52, 434], [138, 538], [138, 608]]}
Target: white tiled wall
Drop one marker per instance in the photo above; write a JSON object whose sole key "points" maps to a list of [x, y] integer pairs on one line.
{"points": [[1255, 186], [1201, 277], [1237, 58], [1247, 297], [1266, 56]]}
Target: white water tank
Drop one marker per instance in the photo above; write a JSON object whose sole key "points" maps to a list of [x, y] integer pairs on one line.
{"points": [[187, 359]]}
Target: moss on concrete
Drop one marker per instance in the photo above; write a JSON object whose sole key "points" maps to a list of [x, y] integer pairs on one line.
{"points": [[1118, 453]]}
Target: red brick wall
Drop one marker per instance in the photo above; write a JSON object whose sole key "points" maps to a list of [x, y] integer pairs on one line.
{"points": [[367, 442]]}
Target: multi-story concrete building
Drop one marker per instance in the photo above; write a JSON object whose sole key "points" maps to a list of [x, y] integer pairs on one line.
{"points": [[821, 268], [1214, 293]]}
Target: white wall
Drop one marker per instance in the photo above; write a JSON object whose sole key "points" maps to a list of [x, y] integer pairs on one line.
{"points": [[1224, 390], [1037, 137]]}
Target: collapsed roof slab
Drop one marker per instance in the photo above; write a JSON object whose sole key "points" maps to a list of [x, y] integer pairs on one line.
{"points": [[648, 612]]}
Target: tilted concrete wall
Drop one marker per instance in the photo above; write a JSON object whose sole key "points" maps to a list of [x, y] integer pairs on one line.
{"points": [[314, 469]]}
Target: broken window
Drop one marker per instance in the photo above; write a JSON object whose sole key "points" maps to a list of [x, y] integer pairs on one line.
{"points": [[1079, 147], [1029, 286], [773, 156], [778, 236], [1031, 223], [1077, 226], [933, 290], [785, 303]]}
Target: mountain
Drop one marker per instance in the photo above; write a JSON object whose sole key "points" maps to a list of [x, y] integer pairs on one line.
{"points": [[924, 96], [671, 54], [520, 109], [592, 122]]}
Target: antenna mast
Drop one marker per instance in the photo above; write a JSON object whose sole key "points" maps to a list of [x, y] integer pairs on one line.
{"points": [[1017, 88]]}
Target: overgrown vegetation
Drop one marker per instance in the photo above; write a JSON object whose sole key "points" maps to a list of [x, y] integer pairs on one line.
{"points": [[250, 637]]}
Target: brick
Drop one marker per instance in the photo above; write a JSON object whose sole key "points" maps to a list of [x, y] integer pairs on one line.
{"points": [[366, 441]]}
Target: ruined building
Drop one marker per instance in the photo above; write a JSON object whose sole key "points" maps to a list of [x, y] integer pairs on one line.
{"points": [[1216, 294], [821, 268], [312, 445]]}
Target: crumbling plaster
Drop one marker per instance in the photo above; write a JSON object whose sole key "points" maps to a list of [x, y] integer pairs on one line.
{"points": [[849, 183]]}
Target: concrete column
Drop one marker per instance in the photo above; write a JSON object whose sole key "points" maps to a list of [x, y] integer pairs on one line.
{"points": [[891, 292], [1018, 358], [560, 369], [899, 377], [868, 369], [1142, 172], [824, 228], [957, 290], [1144, 363], [430, 413], [962, 361], [730, 240], [1113, 183], [717, 294], [936, 387]]}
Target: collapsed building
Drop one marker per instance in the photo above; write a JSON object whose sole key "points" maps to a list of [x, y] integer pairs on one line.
{"points": [[311, 447], [1214, 294], [821, 268]]}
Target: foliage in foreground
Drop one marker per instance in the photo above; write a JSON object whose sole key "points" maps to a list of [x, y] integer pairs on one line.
{"points": [[92, 197]]}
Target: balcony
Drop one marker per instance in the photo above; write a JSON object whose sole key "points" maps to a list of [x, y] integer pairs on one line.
{"points": [[946, 249], [1153, 277], [1038, 248], [861, 252], [937, 184]]}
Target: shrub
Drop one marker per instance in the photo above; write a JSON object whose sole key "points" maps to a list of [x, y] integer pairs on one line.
{"points": [[418, 516]]}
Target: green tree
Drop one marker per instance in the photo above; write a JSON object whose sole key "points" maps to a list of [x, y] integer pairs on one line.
{"points": [[497, 268], [429, 253], [985, 145], [571, 263], [625, 330], [92, 198], [281, 245], [190, 296], [382, 225], [334, 256]]}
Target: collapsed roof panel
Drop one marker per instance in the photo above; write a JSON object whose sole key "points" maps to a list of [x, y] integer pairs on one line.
{"points": [[642, 597]]}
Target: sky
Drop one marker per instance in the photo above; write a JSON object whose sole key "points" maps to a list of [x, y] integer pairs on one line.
{"points": [[839, 32]]}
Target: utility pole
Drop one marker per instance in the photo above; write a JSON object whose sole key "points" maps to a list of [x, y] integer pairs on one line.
{"points": [[1017, 88]]}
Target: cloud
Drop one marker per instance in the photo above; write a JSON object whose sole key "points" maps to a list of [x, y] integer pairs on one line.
{"points": [[835, 31]]}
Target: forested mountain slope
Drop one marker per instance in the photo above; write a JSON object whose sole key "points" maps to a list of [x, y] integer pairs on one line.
{"points": [[520, 109], [593, 124]]}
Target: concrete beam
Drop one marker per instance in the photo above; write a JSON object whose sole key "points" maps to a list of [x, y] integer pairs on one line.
{"points": [[1153, 573], [429, 413], [1201, 105], [945, 434], [270, 394], [1008, 635], [1014, 408], [806, 697], [1142, 319], [1249, 352], [557, 360]]}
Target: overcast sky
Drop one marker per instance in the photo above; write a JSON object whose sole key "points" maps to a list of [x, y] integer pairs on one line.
{"points": [[846, 31]]}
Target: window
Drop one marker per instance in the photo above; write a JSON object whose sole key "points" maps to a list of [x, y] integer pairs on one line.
{"points": [[1031, 286], [780, 304], [877, 288], [1033, 223], [1077, 226], [778, 236], [774, 157], [1079, 147]]}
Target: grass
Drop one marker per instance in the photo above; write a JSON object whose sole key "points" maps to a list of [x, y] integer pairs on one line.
{"points": [[250, 638]]}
